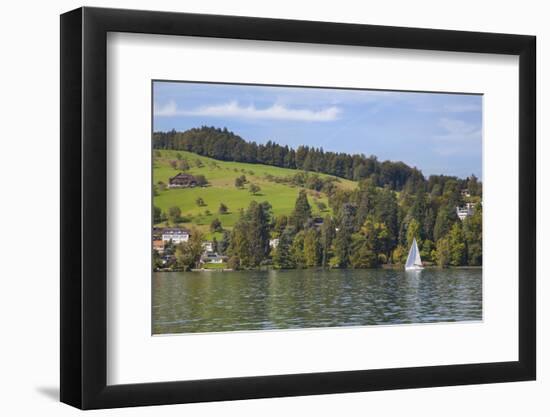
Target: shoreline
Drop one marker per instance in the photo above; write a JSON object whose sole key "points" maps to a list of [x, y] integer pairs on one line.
{"points": [[393, 267]]}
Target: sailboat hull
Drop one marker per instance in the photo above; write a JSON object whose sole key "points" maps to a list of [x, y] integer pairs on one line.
{"points": [[414, 268]]}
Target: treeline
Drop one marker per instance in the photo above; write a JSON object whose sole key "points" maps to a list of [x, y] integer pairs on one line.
{"points": [[224, 145], [370, 226]]}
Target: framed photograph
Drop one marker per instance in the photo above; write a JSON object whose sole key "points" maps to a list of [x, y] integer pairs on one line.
{"points": [[257, 208]]}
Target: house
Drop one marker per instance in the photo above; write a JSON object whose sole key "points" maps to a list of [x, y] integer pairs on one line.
{"points": [[175, 234], [463, 212], [273, 243], [158, 245], [182, 180], [208, 246], [318, 222], [465, 193], [213, 258]]}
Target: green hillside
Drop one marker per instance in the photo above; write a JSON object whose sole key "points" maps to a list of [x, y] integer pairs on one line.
{"points": [[221, 188]]}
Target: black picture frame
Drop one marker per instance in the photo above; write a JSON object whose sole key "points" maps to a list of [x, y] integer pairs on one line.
{"points": [[84, 207]]}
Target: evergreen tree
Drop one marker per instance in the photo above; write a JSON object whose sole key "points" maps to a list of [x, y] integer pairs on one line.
{"points": [[473, 233], [413, 231], [386, 212], [446, 217], [362, 256], [442, 253], [427, 250], [308, 162], [297, 250], [429, 222], [342, 241], [240, 244], [250, 235], [418, 211], [282, 258], [384, 242], [312, 248], [281, 223], [327, 236], [371, 245], [365, 199], [259, 219], [224, 244], [302, 211], [474, 187], [216, 225], [223, 209]]}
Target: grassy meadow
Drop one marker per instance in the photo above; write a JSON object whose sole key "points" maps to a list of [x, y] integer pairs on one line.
{"points": [[221, 177]]}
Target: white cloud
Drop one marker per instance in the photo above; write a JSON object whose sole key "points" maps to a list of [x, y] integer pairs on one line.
{"points": [[234, 109], [168, 109], [459, 137], [456, 126]]}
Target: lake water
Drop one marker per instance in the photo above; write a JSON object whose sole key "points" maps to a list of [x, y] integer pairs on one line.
{"points": [[190, 302]]}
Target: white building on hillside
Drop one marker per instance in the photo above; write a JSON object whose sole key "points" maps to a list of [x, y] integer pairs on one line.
{"points": [[208, 246], [175, 234], [463, 212], [213, 258]]}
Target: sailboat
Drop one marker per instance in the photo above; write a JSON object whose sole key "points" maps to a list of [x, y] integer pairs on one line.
{"points": [[413, 260]]}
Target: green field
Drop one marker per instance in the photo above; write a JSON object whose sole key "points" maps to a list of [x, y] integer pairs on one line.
{"points": [[221, 177]]}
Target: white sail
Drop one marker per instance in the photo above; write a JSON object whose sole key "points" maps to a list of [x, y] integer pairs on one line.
{"points": [[413, 260], [417, 260]]}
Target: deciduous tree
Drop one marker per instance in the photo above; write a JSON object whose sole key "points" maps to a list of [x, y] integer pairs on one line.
{"points": [[174, 214], [254, 189], [457, 245], [188, 253]]}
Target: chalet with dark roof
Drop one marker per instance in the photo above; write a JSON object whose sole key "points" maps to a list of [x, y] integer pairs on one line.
{"points": [[182, 180]]}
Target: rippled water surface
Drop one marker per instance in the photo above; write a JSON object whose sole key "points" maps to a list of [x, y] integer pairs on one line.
{"points": [[190, 302]]}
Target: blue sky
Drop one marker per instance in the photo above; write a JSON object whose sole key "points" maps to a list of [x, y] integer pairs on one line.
{"points": [[437, 133]]}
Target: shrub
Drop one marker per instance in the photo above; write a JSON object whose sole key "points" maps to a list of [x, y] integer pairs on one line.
{"points": [[234, 263]]}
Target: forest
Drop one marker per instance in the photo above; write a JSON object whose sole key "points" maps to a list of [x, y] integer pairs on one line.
{"points": [[224, 145], [368, 226]]}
